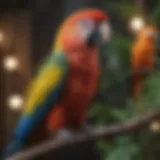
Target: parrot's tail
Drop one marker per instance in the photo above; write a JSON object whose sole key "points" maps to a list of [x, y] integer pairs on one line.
{"points": [[137, 85], [13, 147]]}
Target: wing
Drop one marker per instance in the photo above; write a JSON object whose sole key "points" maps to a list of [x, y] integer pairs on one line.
{"points": [[43, 94]]}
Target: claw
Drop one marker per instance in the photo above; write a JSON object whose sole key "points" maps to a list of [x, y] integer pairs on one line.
{"points": [[87, 128], [64, 133]]}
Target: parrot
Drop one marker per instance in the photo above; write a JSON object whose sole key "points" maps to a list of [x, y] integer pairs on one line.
{"points": [[67, 81], [143, 57]]}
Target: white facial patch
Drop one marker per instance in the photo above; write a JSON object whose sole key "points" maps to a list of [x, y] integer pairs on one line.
{"points": [[86, 27], [105, 31]]}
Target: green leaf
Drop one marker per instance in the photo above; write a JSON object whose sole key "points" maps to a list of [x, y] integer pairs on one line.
{"points": [[124, 9], [122, 115], [155, 16], [96, 110], [125, 149]]}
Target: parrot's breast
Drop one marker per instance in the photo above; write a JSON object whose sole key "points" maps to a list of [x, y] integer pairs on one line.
{"points": [[81, 85], [83, 78], [80, 89]]}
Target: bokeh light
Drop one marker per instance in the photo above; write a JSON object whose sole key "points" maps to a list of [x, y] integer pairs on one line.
{"points": [[137, 23], [155, 126], [1, 36], [10, 63], [15, 102]]}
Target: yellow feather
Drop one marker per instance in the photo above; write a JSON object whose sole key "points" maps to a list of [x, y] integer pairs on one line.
{"points": [[58, 48], [41, 86]]}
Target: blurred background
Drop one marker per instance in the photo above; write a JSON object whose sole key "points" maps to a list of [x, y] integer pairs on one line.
{"points": [[27, 28]]}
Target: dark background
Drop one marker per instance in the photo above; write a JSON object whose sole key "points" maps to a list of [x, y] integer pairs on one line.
{"points": [[30, 26]]}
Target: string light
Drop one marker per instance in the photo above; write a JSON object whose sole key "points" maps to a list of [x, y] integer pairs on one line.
{"points": [[15, 102], [155, 126], [1, 36], [10, 63], [137, 23]]}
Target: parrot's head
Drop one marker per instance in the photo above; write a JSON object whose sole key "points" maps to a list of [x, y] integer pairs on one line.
{"points": [[148, 35], [85, 28]]}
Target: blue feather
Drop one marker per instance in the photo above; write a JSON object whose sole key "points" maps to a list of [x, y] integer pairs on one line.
{"points": [[13, 147], [27, 123]]}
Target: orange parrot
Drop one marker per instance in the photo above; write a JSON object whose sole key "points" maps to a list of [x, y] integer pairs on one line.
{"points": [[143, 57]]}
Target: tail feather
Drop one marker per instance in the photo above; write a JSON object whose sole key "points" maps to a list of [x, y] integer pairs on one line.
{"points": [[13, 147], [137, 86]]}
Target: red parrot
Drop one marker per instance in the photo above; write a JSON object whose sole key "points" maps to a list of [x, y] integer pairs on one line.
{"points": [[84, 68], [143, 57], [60, 94]]}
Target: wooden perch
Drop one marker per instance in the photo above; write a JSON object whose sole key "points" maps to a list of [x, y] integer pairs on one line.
{"points": [[95, 134]]}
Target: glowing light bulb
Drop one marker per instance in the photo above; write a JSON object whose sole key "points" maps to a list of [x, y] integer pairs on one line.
{"points": [[155, 126], [1, 36], [15, 102], [137, 23], [10, 63]]}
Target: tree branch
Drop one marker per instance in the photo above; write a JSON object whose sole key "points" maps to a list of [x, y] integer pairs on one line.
{"points": [[95, 134]]}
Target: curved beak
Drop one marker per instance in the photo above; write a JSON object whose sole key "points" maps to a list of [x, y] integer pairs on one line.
{"points": [[93, 38], [105, 31]]}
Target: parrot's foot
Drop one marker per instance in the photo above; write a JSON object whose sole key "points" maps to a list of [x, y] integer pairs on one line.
{"points": [[64, 133], [87, 128]]}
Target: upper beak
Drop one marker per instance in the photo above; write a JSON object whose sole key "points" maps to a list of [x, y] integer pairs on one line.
{"points": [[93, 38], [105, 31]]}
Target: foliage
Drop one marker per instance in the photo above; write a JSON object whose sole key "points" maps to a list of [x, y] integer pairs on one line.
{"points": [[115, 82]]}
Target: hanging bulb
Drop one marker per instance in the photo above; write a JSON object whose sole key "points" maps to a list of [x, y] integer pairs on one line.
{"points": [[10, 63], [15, 102], [155, 126], [136, 23], [1, 37]]}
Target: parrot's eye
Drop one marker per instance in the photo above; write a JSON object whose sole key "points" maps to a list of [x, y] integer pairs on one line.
{"points": [[105, 31]]}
